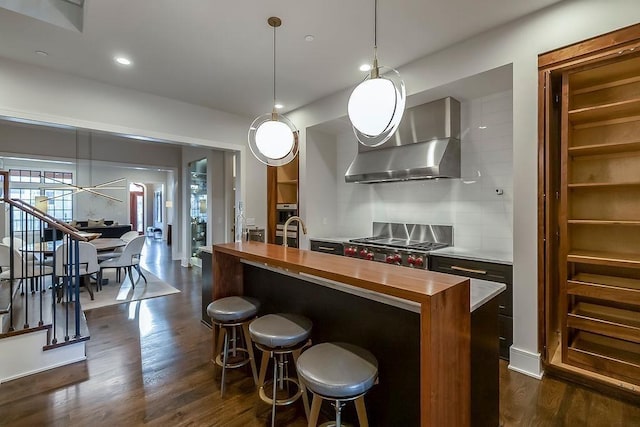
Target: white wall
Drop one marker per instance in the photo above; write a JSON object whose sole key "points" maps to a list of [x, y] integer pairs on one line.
{"points": [[38, 94], [481, 218], [518, 43], [322, 172]]}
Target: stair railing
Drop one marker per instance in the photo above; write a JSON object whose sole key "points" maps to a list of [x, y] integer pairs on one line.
{"points": [[31, 270]]}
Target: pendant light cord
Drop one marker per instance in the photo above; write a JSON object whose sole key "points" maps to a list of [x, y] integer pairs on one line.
{"points": [[274, 68], [374, 68], [375, 25]]}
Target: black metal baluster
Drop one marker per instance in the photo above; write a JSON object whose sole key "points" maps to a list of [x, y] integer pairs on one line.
{"points": [[11, 266], [25, 271], [77, 287], [67, 275], [41, 265], [54, 289]]}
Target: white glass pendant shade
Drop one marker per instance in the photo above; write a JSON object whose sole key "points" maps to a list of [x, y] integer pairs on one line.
{"points": [[371, 106], [274, 139], [376, 107], [273, 142]]}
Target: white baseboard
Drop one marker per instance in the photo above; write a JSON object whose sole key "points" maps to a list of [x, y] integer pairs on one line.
{"points": [[525, 362]]}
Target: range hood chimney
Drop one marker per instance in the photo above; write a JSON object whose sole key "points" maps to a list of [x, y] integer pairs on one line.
{"points": [[425, 146]]}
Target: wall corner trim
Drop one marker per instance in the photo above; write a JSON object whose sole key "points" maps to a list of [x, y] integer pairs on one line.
{"points": [[525, 362]]}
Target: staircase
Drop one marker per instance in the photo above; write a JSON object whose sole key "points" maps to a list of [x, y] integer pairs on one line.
{"points": [[37, 332]]}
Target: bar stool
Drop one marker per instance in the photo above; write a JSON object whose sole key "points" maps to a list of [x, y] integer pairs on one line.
{"points": [[339, 372], [231, 316], [278, 335]]}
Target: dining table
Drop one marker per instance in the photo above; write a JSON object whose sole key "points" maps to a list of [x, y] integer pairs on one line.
{"points": [[48, 248]]}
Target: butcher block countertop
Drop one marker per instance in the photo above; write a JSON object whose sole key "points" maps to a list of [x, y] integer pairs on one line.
{"points": [[411, 284]]}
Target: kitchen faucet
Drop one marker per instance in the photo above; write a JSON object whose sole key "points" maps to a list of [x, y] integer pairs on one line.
{"points": [[286, 225]]}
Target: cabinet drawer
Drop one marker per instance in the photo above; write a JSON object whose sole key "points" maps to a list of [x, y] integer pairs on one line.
{"points": [[327, 247], [479, 270], [506, 335]]}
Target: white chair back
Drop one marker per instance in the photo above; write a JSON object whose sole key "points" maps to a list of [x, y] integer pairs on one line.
{"points": [[129, 236], [131, 252], [21, 268], [88, 256]]}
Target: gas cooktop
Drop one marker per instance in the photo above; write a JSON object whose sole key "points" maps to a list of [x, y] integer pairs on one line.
{"points": [[401, 244]]}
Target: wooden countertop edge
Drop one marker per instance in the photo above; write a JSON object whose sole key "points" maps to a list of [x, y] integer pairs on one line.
{"points": [[402, 282]]}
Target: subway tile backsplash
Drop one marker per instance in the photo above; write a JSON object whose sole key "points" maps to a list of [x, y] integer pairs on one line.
{"points": [[481, 218]]}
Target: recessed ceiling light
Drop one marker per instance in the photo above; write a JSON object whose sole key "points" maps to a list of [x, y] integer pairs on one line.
{"points": [[365, 67], [279, 106], [122, 60], [309, 38], [41, 53], [482, 127]]}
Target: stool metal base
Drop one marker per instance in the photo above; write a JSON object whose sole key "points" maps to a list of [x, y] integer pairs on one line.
{"points": [[281, 375], [231, 364], [338, 404], [222, 351], [283, 401]]}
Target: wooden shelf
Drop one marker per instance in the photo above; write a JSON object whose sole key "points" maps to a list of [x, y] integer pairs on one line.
{"points": [[618, 358], [603, 320], [608, 288], [606, 112], [602, 184], [606, 85], [589, 150], [605, 258], [616, 74], [288, 182], [602, 222]]}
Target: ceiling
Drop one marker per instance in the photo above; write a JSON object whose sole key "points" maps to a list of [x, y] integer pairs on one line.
{"points": [[219, 54]]}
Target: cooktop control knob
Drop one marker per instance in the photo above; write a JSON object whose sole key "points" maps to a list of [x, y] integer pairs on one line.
{"points": [[363, 253], [390, 259], [419, 262], [370, 256], [411, 260], [397, 258]]}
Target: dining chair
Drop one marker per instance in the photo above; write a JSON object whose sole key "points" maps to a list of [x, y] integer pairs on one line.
{"points": [[88, 258], [128, 259], [129, 236], [18, 244], [22, 268]]}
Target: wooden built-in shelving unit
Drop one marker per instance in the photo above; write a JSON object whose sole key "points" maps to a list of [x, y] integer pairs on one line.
{"points": [[282, 187], [591, 119]]}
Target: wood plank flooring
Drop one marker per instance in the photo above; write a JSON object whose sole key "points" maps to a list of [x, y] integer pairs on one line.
{"points": [[149, 363]]}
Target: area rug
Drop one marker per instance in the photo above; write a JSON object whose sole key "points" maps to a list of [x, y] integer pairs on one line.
{"points": [[119, 293]]}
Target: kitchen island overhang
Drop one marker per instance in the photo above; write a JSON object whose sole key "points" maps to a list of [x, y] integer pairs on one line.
{"points": [[442, 325]]}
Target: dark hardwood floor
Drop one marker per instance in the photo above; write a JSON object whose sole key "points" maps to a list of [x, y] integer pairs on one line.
{"points": [[149, 363]]}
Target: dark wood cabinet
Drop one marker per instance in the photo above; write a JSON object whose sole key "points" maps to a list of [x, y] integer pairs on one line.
{"points": [[494, 272]]}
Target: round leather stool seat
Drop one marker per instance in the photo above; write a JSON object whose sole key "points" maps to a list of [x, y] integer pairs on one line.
{"points": [[280, 330], [337, 370], [232, 309]]}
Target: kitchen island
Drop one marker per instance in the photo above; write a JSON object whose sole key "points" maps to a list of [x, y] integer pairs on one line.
{"points": [[416, 322]]}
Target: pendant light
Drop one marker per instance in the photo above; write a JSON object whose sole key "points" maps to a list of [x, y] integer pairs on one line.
{"points": [[376, 105], [273, 138]]}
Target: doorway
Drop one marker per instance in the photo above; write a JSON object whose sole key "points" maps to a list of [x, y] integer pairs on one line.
{"points": [[136, 207]]}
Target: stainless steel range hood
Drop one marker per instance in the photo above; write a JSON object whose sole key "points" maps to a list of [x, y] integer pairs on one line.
{"points": [[425, 146]]}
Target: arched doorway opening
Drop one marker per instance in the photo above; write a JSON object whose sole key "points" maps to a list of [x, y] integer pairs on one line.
{"points": [[136, 207]]}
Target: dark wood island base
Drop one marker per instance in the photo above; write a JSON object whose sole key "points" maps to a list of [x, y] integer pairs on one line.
{"points": [[422, 341]]}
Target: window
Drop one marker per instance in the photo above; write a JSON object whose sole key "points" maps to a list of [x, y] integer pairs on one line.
{"points": [[22, 175], [60, 204], [58, 177], [28, 184]]}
